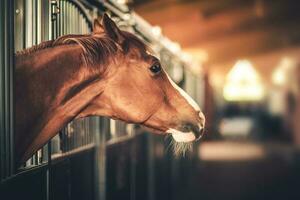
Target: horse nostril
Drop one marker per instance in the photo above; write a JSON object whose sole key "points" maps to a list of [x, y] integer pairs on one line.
{"points": [[197, 129], [201, 133], [187, 128]]}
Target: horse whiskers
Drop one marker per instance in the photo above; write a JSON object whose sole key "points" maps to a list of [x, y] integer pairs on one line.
{"points": [[178, 148], [181, 148], [169, 139]]}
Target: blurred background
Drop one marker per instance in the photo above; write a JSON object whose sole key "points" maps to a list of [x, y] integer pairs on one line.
{"points": [[248, 52], [239, 60]]}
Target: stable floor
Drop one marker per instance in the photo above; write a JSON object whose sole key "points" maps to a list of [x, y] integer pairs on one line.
{"points": [[269, 172]]}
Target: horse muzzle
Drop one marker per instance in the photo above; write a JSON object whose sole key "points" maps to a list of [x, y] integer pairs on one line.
{"points": [[197, 130], [188, 132]]}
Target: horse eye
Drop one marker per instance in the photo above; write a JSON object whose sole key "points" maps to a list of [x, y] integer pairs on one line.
{"points": [[156, 68]]}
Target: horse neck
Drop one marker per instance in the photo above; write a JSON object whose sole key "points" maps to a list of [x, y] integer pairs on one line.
{"points": [[52, 86]]}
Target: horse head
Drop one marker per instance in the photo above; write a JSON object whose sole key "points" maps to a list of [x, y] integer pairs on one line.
{"points": [[138, 89]]}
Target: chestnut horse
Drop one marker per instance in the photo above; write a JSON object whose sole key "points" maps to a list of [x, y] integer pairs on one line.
{"points": [[106, 73]]}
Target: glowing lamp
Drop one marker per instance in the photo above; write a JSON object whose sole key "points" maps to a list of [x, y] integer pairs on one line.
{"points": [[243, 83]]}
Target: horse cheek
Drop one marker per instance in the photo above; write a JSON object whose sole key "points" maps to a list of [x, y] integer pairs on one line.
{"points": [[133, 107]]}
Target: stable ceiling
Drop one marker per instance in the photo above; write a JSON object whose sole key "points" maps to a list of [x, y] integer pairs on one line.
{"points": [[226, 30]]}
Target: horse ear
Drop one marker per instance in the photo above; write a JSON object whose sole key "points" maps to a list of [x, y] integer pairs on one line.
{"points": [[97, 28], [112, 30]]}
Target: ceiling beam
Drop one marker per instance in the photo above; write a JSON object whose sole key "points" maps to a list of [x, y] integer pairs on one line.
{"points": [[248, 44], [227, 29]]}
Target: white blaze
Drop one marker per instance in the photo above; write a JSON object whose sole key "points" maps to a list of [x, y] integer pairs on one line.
{"points": [[180, 136], [184, 95]]}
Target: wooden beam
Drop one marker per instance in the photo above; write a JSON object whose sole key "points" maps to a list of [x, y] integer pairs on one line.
{"points": [[249, 44], [228, 29]]}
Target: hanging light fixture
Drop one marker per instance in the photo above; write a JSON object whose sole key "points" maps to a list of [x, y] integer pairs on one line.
{"points": [[243, 83]]}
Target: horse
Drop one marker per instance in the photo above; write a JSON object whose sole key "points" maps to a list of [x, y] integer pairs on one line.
{"points": [[108, 72]]}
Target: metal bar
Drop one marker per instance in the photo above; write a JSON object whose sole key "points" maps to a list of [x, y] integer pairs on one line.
{"points": [[28, 22], [38, 22], [100, 157], [72, 152], [150, 168], [34, 19], [68, 19], [133, 170], [19, 25], [59, 18], [120, 139], [2, 138], [63, 16], [53, 12], [6, 89], [2, 117], [10, 80]]}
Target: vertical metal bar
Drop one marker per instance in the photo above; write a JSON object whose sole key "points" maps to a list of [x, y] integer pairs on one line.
{"points": [[102, 127], [66, 144], [88, 130], [80, 23], [24, 24], [59, 20], [2, 121], [53, 12], [10, 81], [37, 39], [150, 167], [19, 25], [6, 89], [39, 21], [78, 28], [34, 22], [67, 18], [45, 36], [28, 18], [29, 40], [72, 19], [77, 129], [133, 169], [63, 15]]}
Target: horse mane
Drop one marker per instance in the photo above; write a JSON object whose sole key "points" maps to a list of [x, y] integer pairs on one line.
{"points": [[97, 48]]}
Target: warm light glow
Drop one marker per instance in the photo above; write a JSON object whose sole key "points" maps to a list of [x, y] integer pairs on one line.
{"points": [[198, 53], [243, 83], [230, 151], [280, 74], [278, 77]]}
